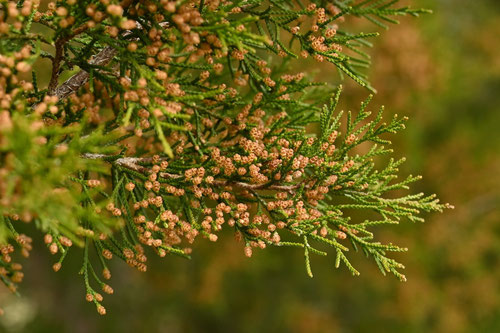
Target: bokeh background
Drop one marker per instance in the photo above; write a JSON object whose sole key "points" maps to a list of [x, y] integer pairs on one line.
{"points": [[441, 70]]}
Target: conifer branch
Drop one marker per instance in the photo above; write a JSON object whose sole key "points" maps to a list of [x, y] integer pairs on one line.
{"points": [[183, 121]]}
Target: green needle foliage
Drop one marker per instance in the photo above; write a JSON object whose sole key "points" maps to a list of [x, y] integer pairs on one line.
{"points": [[166, 121]]}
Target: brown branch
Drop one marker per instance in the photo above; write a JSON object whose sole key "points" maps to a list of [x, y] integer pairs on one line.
{"points": [[59, 57], [264, 186], [56, 65], [132, 163], [72, 84]]}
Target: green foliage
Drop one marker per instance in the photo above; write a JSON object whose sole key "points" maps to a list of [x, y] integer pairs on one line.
{"points": [[179, 118]]}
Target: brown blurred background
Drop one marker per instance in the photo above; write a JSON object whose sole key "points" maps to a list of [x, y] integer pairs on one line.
{"points": [[441, 70]]}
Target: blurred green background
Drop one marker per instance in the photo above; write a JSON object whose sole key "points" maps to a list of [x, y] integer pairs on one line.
{"points": [[441, 70]]}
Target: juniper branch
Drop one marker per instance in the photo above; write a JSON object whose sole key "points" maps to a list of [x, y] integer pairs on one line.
{"points": [[217, 130]]}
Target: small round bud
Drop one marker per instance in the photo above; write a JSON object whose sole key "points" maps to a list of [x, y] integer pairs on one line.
{"points": [[106, 274], [47, 239], [65, 241], [23, 67], [340, 235], [107, 289], [53, 248], [101, 310], [248, 251], [115, 10]]}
